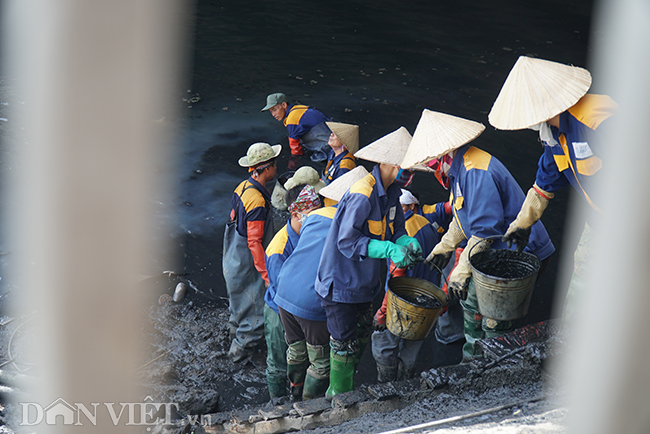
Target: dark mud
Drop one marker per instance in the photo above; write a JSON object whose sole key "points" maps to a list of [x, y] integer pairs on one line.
{"points": [[505, 264]]}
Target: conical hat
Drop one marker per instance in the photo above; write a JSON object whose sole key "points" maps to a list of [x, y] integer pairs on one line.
{"points": [[389, 149], [337, 188], [535, 91], [436, 134], [348, 134]]}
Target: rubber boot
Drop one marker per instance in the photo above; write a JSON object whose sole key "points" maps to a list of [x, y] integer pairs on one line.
{"points": [[277, 386], [297, 364], [318, 374], [386, 373], [473, 332], [493, 328], [341, 374], [472, 325]]}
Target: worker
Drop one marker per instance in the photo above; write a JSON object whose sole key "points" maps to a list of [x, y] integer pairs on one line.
{"points": [[368, 227], [485, 198], [300, 200], [551, 98], [304, 320], [245, 238], [305, 125], [343, 143], [394, 356]]}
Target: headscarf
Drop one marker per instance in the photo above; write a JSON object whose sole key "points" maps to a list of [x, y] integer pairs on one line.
{"points": [[307, 199], [407, 198]]}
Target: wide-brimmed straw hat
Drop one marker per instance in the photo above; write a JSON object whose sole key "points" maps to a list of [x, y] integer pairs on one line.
{"points": [[348, 134], [537, 90], [337, 188], [259, 153], [389, 149], [436, 134], [305, 175]]}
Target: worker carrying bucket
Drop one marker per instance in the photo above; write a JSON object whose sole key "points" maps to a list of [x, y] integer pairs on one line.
{"points": [[485, 199]]}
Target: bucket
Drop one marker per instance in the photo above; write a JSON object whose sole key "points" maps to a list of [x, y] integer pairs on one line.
{"points": [[504, 281], [412, 307]]}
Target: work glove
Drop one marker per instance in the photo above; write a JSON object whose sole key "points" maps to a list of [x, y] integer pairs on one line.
{"points": [[443, 251], [379, 320], [413, 246], [461, 275], [531, 210], [387, 249]]}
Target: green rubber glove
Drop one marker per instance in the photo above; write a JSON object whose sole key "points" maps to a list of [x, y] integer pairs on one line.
{"points": [[410, 243], [386, 249]]}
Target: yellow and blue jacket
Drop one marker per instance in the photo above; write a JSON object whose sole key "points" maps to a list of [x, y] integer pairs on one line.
{"points": [[295, 290], [279, 249], [576, 160], [365, 212], [486, 198], [337, 165], [300, 119], [250, 202]]}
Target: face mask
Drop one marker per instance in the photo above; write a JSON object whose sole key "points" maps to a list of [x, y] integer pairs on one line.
{"points": [[302, 218], [404, 178], [545, 134], [441, 167]]}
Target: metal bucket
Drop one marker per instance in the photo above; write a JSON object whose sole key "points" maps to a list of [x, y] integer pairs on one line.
{"points": [[504, 281], [412, 307]]}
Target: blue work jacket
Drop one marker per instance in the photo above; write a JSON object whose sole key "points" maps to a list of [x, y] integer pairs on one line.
{"points": [[437, 216], [366, 211], [576, 159], [486, 199], [337, 165], [250, 202], [422, 230], [296, 292], [300, 119], [279, 249]]}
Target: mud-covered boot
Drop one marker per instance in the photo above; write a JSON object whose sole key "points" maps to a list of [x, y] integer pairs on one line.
{"points": [[277, 386], [318, 374], [386, 373], [297, 364], [473, 330]]}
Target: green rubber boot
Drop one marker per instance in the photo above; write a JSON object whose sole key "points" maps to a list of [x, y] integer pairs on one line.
{"points": [[318, 374], [341, 373], [297, 364]]}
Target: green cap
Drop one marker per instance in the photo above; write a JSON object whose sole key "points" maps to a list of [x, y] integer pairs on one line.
{"points": [[274, 99]]}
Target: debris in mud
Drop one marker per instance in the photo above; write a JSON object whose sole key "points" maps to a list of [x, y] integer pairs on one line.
{"points": [[189, 365]]}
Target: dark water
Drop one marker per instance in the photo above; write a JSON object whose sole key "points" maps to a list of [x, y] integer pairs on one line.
{"points": [[376, 64]]}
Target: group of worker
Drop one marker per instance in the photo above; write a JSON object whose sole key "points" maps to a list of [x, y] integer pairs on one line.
{"points": [[308, 288]]}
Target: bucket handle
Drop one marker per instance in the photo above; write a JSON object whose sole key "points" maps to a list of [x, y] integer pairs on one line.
{"points": [[441, 273], [483, 239]]}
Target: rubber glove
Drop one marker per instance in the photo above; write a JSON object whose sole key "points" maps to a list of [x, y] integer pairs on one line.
{"points": [[386, 249], [413, 246], [461, 275], [442, 252], [379, 320], [531, 210]]}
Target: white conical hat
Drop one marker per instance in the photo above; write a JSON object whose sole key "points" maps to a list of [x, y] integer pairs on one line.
{"points": [[337, 188], [389, 149], [348, 134], [436, 134], [537, 90]]}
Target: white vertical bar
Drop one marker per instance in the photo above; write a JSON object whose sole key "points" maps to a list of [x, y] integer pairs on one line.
{"points": [[94, 76], [609, 374]]}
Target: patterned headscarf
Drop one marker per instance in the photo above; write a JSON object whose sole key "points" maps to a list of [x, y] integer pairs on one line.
{"points": [[307, 199]]}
